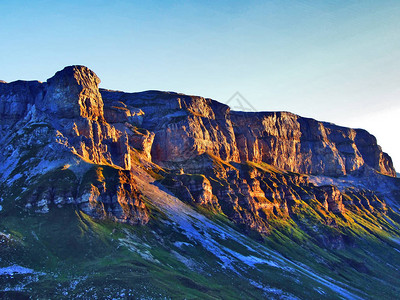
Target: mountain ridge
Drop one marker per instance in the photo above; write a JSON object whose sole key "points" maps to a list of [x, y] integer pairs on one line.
{"points": [[186, 134], [275, 176]]}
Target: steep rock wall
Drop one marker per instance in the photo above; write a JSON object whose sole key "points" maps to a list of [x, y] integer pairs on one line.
{"points": [[45, 124], [69, 117], [188, 126], [305, 145], [184, 126], [174, 128]]}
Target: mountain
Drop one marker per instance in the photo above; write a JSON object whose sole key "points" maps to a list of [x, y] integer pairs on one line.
{"points": [[106, 194]]}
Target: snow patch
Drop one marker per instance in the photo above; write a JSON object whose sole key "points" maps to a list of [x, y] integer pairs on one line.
{"points": [[137, 247], [269, 290], [341, 183], [180, 244], [189, 263], [15, 269], [397, 241]]}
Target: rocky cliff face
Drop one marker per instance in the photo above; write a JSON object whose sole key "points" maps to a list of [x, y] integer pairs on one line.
{"points": [[188, 126], [307, 146], [61, 122], [319, 203], [184, 126], [66, 142]]}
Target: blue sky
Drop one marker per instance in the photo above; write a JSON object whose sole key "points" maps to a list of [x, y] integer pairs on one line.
{"points": [[336, 61]]}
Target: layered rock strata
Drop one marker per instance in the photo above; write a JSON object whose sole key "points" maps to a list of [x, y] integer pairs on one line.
{"points": [[188, 126], [64, 118], [246, 165]]}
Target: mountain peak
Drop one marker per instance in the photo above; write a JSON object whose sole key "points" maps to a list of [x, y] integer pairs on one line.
{"points": [[73, 92], [81, 74]]}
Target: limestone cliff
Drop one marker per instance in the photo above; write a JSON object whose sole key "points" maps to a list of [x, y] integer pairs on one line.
{"points": [[65, 142], [305, 145], [46, 127], [188, 126]]}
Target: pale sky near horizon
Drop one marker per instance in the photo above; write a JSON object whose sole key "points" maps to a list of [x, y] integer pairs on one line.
{"points": [[335, 61]]}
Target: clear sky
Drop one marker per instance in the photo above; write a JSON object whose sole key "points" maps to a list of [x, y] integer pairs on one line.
{"points": [[336, 61]]}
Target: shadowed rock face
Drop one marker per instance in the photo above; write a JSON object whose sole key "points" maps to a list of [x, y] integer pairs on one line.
{"points": [[16, 99], [216, 158]]}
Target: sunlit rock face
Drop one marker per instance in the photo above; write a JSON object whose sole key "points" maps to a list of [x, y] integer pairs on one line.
{"points": [[188, 126], [113, 194], [101, 192], [184, 126], [48, 123], [331, 198], [71, 93], [372, 153], [305, 145], [212, 157]]}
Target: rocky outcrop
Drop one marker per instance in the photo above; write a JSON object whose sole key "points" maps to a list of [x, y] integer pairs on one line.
{"points": [[192, 188], [331, 198], [110, 193], [68, 109], [73, 96], [102, 192], [372, 153], [72, 93], [253, 195]]}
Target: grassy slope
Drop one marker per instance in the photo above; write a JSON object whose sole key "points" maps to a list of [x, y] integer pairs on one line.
{"points": [[80, 257], [87, 258], [367, 257], [84, 257]]}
